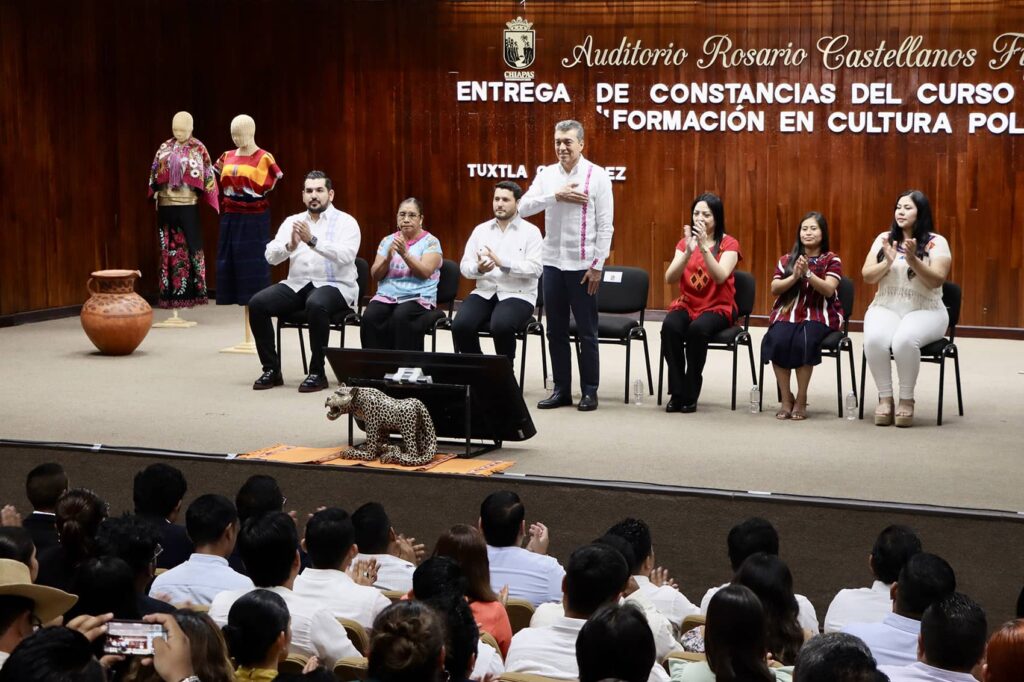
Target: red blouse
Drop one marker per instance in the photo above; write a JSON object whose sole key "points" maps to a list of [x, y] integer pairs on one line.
{"points": [[698, 291]]}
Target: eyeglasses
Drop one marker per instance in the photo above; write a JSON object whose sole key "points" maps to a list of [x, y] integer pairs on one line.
{"points": [[157, 552], [284, 501], [35, 621], [403, 214]]}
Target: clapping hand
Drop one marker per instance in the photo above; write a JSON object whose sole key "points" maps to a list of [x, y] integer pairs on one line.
{"points": [[539, 538], [690, 239], [410, 550], [9, 516], [910, 249], [800, 267], [364, 571], [493, 256], [660, 576], [399, 246], [889, 251], [302, 231]]}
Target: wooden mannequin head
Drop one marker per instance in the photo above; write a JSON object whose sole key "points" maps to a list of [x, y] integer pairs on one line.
{"points": [[181, 126], [243, 133]]}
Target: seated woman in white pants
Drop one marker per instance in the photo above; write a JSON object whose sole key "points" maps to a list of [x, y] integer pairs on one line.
{"points": [[909, 263]]}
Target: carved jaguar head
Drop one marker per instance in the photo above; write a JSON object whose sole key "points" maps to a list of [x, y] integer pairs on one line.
{"points": [[340, 402]]}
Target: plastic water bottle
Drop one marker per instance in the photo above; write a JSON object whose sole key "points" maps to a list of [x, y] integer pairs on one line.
{"points": [[638, 392], [755, 399], [851, 406]]}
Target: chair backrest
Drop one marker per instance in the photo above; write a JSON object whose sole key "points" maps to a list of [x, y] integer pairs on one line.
{"points": [[488, 639], [846, 299], [293, 665], [448, 284], [351, 668], [363, 279], [951, 297], [746, 289], [691, 622], [393, 595], [520, 611], [626, 296], [357, 634]]}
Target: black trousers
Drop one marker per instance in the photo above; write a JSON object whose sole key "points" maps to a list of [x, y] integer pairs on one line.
{"points": [[505, 317], [320, 304], [393, 326], [562, 293], [685, 345]]}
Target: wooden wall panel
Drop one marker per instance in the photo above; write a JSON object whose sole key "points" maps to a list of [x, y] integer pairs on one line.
{"points": [[365, 90]]}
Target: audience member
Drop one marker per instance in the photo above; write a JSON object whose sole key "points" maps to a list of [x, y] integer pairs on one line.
{"points": [[528, 573], [923, 580], [257, 634], [270, 549], [467, 547], [210, 660], [893, 547], [134, 541], [395, 555], [158, 492], [105, 584], [615, 642], [953, 631], [769, 578], [24, 605], [79, 513], [16, 544], [734, 641], [654, 583], [1004, 654], [836, 657], [212, 525], [258, 495], [55, 653], [407, 644], [462, 636], [749, 537], [43, 487], [330, 544], [595, 575]]}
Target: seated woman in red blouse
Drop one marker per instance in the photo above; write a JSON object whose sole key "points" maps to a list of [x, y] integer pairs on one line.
{"points": [[703, 265], [806, 310]]}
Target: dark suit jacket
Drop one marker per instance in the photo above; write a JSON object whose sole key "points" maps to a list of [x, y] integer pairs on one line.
{"points": [[174, 540], [42, 528]]}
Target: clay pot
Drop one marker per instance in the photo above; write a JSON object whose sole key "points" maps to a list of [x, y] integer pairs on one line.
{"points": [[115, 318]]}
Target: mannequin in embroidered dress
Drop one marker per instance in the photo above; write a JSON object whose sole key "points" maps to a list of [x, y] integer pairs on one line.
{"points": [[247, 174], [181, 170]]}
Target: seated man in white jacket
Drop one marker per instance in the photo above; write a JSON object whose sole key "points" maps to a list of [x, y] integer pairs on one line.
{"points": [[269, 545], [595, 575]]}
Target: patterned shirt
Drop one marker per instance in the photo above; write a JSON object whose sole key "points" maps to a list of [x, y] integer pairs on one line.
{"points": [[247, 179], [698, 291], [400, 285], [809, 304]]}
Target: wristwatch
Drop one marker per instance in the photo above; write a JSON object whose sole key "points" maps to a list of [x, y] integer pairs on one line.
{"points": [[312, 245]]}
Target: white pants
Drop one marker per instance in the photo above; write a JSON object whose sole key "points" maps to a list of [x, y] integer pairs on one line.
{"points": [[904, 332]]}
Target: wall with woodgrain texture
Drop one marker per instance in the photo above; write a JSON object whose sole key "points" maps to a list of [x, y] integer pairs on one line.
{"points": [[367, 92]]}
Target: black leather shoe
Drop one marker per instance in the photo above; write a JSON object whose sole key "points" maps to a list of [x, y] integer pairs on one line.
{"points": [[688, 409], [588, 403], [556, 399], [268, 379], [313, 383], [674, 405]]}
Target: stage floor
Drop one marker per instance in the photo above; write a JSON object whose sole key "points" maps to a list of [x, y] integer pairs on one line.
{"points": [[178, 392]]}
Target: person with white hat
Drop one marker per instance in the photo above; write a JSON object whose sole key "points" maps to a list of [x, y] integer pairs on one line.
{"points": [[23, 606]]}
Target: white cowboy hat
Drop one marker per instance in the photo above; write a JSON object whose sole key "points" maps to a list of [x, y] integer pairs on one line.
{"points": [[15, 581]]}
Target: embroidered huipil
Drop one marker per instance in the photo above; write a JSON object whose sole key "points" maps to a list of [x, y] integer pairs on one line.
{"points": [[576, 236], [331, 263], [184, 164], [246, 179], [901, 287], [809, 304]]}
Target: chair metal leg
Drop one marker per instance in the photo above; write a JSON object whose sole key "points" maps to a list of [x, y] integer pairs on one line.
{"points": [[279, 340], [735, 357], [760, 383], [522, 364], [750, 354], [661, 373], [853, 373], [863, 380], [302, 348], [956, 370], [544, 355], [628, 346], [647, 359], [942, 377], [839, 383]]}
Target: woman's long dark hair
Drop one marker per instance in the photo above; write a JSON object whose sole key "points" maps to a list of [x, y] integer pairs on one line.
{"points": [[714, 203], [255, 622], [798, 250], [466, 545], [79, 513], [734, 636], [923, 226], [769, 578]]}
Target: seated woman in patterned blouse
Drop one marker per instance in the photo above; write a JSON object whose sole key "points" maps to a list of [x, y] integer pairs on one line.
{"points": [[806, 310], [407, 270]]}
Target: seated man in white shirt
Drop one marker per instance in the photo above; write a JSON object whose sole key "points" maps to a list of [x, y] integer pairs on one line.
{"points": [[750, 537], [952, 642], [616, 643], [595, 575], [212, 525], [893, 547], [503, 258], [925, 579], [529, 573], [269, 545], [330, 544], [394, 555], [836, 656], [662, 591], [320, 246]]}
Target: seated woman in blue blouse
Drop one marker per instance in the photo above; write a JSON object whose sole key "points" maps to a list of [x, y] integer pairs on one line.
{"points": [[407, 269]]}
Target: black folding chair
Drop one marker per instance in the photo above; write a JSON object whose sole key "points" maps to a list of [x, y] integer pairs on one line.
{"points": [[732, 338], [935, 352], [447, 289]]}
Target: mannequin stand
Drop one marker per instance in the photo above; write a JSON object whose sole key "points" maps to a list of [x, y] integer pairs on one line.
{"points": [[247, 346], [175, 322]]}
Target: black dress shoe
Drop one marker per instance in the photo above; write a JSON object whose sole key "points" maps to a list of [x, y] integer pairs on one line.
{"points": [[313, 383], [588, 403], [268, 379], [674, 405], [688, 409], [556, 399]]}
